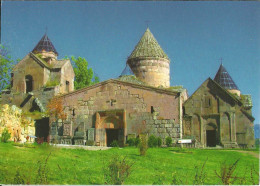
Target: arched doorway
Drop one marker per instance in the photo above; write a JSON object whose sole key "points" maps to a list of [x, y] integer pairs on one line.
{"points": [[29, 83], [211, 135], [110, 125]]}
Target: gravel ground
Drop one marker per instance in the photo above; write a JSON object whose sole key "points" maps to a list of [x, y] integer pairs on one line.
{"points": [[81, 147]]}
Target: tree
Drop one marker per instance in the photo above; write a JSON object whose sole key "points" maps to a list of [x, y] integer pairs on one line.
{"points": [[84, 75], [55, 109], [6, 64]]}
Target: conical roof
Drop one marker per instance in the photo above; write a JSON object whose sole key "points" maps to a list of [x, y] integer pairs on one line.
{"points": [[148, 47], [45, 44], [224, 79]]}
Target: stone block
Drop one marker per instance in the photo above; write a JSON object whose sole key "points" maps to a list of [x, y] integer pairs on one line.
{"points": [[91, 134]]}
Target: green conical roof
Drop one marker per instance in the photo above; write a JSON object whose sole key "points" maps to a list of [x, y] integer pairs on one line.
{"points": [[148, 47]]}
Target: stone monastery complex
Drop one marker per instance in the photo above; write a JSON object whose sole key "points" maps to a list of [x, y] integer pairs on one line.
{"points": [[216, 114]]}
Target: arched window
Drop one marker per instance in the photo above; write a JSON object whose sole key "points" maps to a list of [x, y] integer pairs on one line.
{"points": [[67, 86], [29, 83]]}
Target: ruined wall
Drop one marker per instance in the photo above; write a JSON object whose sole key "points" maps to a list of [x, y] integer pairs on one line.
{"points": [[155, 72]]}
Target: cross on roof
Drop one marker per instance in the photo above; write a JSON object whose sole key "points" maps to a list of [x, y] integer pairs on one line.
{"points": [[221, 59]]}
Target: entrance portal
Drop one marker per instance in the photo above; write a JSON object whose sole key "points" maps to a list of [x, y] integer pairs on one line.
{"points": [[211, 138], [112, 134]]}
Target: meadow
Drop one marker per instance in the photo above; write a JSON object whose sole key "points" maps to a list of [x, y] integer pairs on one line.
{"points": [[39, 164]]}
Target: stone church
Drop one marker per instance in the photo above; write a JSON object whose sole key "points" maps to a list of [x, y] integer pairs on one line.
{"points": [[141, 100]]}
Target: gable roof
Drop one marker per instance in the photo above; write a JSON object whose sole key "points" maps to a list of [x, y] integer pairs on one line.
{"points": [[132, 84], [148, 47], [234, 98], [224, 79], [45, 44], [57, 64]]}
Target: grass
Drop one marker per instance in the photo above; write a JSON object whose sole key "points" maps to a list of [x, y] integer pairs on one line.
{"points": [[78, 166]]}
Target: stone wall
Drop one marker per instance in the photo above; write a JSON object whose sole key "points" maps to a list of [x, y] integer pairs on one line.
{"points": [[155, 72], [213, 108], [157, 108]]}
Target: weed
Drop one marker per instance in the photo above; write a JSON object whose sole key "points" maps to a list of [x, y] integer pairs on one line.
{"points": [[42, 173], [226, 173], [18, 179], [160, 179], [143, 146], [200, 175], [118, 171]]}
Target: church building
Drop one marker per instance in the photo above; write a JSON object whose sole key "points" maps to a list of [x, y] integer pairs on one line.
{"points": [[140, 101]]}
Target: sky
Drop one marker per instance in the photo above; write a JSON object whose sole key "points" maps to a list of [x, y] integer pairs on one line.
{"points": [[194, 35]]}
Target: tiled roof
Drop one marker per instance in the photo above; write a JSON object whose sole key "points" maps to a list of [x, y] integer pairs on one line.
{"points": [[148, 47], [45, 44], [224, 79]]}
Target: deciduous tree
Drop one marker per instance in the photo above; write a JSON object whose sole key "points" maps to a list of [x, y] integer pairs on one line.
{"points": [[6, 64], [84, 75]]}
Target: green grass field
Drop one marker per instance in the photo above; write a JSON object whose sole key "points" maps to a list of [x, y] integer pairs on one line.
{"points": [[159, 166]]}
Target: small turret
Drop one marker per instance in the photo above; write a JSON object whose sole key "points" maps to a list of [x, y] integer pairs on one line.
{"points": [[224, 79], [149, 62], [46, 49]]}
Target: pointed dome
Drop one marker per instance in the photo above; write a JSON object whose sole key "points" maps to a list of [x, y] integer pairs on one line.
{"points": [[224, 79], [45, 44], [148, 47]]}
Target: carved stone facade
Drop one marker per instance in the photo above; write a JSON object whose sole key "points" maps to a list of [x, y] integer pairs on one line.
{"points": [[114, 109]]}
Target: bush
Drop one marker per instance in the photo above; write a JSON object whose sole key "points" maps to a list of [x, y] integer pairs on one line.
{"points": [[5, 135], [168, 141], [152, 141], [137, 141], [131, 142], [117, 171], [159, 141], [114, 143]]}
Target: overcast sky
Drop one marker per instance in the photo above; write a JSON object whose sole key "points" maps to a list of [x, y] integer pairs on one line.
{"points": [[195, 35]]}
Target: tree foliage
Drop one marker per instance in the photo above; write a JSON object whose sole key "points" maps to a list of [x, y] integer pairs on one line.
{"points": [[84, 75], [55, 109], [6, 64]]}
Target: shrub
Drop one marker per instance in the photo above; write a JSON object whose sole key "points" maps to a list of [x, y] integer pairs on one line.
{"points": [[131, 142], [159, 141], [168, 141], [143, 146], [137, 141], [5, 135], [118, 171], [114, 143], [152, 141]]}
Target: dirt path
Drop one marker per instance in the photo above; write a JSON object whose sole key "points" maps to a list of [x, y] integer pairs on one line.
{"points": [[255, 154]]}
